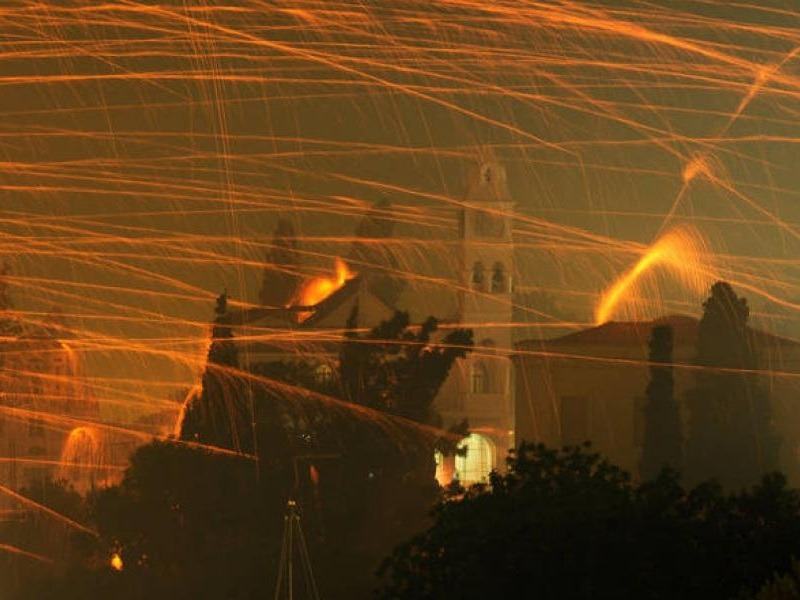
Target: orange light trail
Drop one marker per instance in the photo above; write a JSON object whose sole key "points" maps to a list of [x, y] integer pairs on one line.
{"points": [[679, 251], [148, 150]]}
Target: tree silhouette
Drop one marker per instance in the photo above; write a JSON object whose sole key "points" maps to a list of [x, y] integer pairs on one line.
{"points": [[221, 415], [189, 524], [784, 586], [663, 439], [280, 278], [731, 437], [568, 524], [399, 369], [381, 484]]}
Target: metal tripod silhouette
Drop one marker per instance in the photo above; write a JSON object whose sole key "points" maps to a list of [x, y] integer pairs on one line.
{"points": [[292, 530]]}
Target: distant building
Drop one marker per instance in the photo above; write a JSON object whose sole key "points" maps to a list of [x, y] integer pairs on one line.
{"points": [[590, 385], [479, 388]]}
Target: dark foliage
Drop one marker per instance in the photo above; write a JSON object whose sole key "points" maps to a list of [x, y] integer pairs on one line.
{"points": [[194, 524], [785, 586], [730, 437], [397, 369], [41, 534], [280, 276], [374, 476], [222, 415], [570, 525], [663, 438], [187, 524]]}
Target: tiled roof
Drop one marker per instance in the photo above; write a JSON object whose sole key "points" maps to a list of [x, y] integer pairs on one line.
{"points": [[637, 333]]}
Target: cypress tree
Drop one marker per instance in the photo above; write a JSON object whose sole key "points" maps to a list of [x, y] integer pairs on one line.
{"points": [[220, 416], [280, 275], [663, 439], [731, 437]]}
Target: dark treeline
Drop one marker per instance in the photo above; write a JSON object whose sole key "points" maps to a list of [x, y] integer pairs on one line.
{"points": [[353, 442], [570, 525]]}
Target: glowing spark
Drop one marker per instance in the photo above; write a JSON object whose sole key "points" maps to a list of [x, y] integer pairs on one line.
{"points": [[116, 562]]}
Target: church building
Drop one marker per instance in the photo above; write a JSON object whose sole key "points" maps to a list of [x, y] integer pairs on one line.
{"points": [[480, 387]]}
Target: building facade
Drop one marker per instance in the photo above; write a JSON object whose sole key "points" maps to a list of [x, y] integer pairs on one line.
{"points": [[479, 388], [590, 386]]}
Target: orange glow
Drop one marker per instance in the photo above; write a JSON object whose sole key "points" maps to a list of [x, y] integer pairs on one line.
{"points": [[697, 166], [680, 250], [317, 289], [116, 562], [444, 469]]}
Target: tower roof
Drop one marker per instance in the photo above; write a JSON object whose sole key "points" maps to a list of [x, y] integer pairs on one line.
{"points": [[487, 183]]}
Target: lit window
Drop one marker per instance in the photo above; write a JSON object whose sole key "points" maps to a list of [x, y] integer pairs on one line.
{"points": [[477, 461]]}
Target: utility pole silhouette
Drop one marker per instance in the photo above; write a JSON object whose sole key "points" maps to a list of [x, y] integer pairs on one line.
{"points": [[292, 530]]}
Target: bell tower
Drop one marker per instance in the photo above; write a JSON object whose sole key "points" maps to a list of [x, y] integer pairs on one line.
{"points": [[487, 268]]}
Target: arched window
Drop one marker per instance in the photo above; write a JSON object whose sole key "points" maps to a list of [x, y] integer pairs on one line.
{"points": [[478, 275], [323, 374], [498, 278], [479, 378], [475, 459]]}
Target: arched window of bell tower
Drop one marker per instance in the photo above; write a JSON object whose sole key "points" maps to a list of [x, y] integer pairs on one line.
{"points": [[478, 275], [499, 282]]}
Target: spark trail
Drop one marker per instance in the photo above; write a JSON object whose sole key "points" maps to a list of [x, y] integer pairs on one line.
{"points": [[147, 152]]}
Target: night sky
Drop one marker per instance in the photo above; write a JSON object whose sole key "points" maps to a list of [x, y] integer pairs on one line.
{"points": [[148, 149]]}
